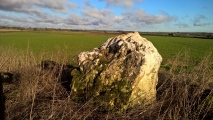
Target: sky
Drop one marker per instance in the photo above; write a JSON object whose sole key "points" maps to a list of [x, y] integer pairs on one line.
{"points": [[126, 15]]}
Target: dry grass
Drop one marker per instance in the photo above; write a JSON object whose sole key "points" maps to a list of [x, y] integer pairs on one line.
{"points": [[184, 91]]}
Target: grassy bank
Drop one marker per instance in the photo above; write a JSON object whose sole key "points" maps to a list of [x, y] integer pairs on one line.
{"points": [[182, 92]]}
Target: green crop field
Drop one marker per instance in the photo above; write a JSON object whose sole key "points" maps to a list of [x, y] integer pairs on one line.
{"points": [[50, 41], [171, 46], [75, 42]]}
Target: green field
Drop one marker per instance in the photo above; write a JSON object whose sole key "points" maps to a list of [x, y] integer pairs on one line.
{"points": [[50, 41], [75, 42], [168, 47]]}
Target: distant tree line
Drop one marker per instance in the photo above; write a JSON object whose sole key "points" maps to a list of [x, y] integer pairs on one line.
{"points": [[193, 35], [173, 34]]}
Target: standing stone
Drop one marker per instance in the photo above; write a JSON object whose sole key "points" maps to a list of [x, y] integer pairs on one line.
{"points": [[121, 73]]}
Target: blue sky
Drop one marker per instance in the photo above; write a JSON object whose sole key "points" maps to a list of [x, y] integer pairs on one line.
{"points": [[134, 15]]}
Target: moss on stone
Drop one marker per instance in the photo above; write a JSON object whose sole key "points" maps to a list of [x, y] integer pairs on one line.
{"points": [[91, 85]]}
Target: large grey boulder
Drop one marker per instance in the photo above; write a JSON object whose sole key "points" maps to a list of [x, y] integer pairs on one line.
{"points": [[121, 73]]}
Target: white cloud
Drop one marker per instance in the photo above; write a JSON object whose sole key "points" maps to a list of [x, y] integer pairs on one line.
{"points": [[87, 4], [118, 19], [200, 24], [121, 3], [197, 20], [98, 14], [34, 13], [99, 17], [32, 6], [182, 25], [140, 17], [76, 20]]}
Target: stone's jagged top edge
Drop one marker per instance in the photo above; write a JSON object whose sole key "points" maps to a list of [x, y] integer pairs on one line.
{"points": [[136, 33], [127, 38], [127, 35], [131, 34]]}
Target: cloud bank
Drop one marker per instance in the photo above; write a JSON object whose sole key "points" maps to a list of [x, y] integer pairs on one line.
{"points": [[87, 15], [34, 6]]}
